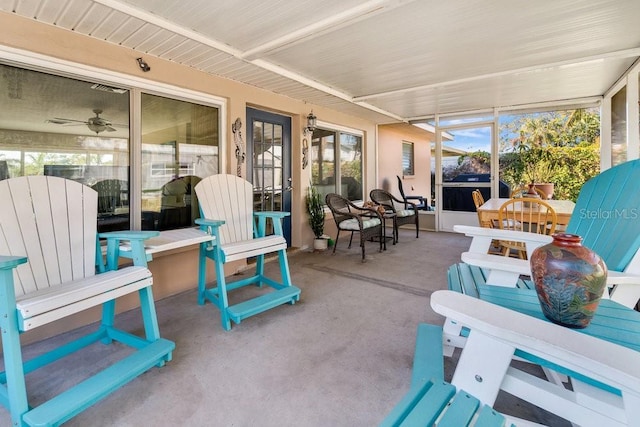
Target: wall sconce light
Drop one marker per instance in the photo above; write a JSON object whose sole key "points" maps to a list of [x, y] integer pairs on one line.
{"points": [[143, 65], [311, 123]]}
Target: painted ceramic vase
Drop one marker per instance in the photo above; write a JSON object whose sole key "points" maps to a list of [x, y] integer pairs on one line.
{"points": [[569, 279]]}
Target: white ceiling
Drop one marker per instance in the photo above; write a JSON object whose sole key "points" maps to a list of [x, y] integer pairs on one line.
{"points": [[384, 60]]}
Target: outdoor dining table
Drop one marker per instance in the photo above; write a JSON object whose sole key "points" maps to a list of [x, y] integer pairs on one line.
{"points": [[489, 210]]}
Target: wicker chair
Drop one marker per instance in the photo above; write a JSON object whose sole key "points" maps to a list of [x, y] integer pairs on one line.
{"points": [[352, 218], [405, 213]]}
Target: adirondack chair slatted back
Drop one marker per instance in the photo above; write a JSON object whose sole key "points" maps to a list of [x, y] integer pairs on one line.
{"points": [[228, 198], [52, 221], [606, 215]]}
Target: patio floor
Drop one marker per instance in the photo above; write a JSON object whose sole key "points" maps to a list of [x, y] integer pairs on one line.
{"points": [[342, 356]]}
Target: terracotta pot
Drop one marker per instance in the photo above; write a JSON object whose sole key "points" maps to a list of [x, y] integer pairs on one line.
{"points": [[569, 279], [547, 187]]}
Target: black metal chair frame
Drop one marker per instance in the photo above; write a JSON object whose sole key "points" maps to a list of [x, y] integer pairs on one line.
{"points": [[389, 202], [420, 202], [342, 210]]}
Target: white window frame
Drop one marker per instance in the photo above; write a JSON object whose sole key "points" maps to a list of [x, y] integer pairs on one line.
{"points": [[135, 85], [411, 159]]}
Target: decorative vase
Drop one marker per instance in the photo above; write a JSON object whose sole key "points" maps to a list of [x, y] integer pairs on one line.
{"points": [[531, 192], [569, 279]]}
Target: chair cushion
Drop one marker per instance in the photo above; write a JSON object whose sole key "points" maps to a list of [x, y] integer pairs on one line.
{"points": [[405, 212], [352, 224]]}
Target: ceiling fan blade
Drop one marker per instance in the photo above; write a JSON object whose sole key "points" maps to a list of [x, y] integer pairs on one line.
{"points": [[61, 121], [110, 129]]}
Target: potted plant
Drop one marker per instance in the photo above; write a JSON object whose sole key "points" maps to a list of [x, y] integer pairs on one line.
{"points": [[315, 209], [536, 168]]}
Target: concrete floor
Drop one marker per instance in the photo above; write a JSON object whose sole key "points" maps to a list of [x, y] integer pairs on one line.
{"points": [[342, 356]]}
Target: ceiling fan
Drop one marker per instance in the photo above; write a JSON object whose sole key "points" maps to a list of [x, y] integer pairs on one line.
{"points": [[96, 124]]}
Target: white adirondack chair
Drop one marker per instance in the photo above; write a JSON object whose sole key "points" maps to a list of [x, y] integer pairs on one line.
{"points": [[51, 254], [497, 334], [226, 205]]}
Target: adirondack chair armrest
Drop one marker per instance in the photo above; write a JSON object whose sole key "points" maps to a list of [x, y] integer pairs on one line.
{"points": [[618, 278], [129, 234], [600, 360], [502, 271], [271, 214], [136, 240], [483, 236], [10, 262], [205, 222], [276, 219]]}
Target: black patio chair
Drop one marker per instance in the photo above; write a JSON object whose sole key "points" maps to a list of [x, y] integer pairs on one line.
{"points": [[404, 212], [420, 202], [352, 218]]}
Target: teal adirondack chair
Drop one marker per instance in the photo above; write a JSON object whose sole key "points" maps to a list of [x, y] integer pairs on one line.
{"points": [[52, 267], [606, 216], [496, 336], [226, 206]]}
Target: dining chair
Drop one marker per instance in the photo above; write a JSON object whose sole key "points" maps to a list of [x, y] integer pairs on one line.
{"points": [[525, 214], [405, 213], [478, 200], [352, 218]]}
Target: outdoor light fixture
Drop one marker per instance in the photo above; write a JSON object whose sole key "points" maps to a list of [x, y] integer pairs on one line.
{"points": [[311, 123], [143, 65]]}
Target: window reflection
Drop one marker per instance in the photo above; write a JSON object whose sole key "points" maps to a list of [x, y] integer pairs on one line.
{"points": [[74, 129], [179, 148], [344, 178], [58, 126]]}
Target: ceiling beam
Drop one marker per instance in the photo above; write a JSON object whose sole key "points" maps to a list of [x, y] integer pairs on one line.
{"points": [[261, 63], [627, 53], [326, 25]]}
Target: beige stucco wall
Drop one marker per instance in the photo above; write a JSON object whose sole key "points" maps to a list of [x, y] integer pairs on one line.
{"points": [[176, 272], [390, 138]]}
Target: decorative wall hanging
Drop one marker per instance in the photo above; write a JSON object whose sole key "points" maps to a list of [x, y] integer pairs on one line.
{"points": [[236, 128], [305, 151], [307, 131]]}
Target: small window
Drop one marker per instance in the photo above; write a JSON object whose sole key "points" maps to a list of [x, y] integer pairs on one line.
{"points": [[407, 158]]}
